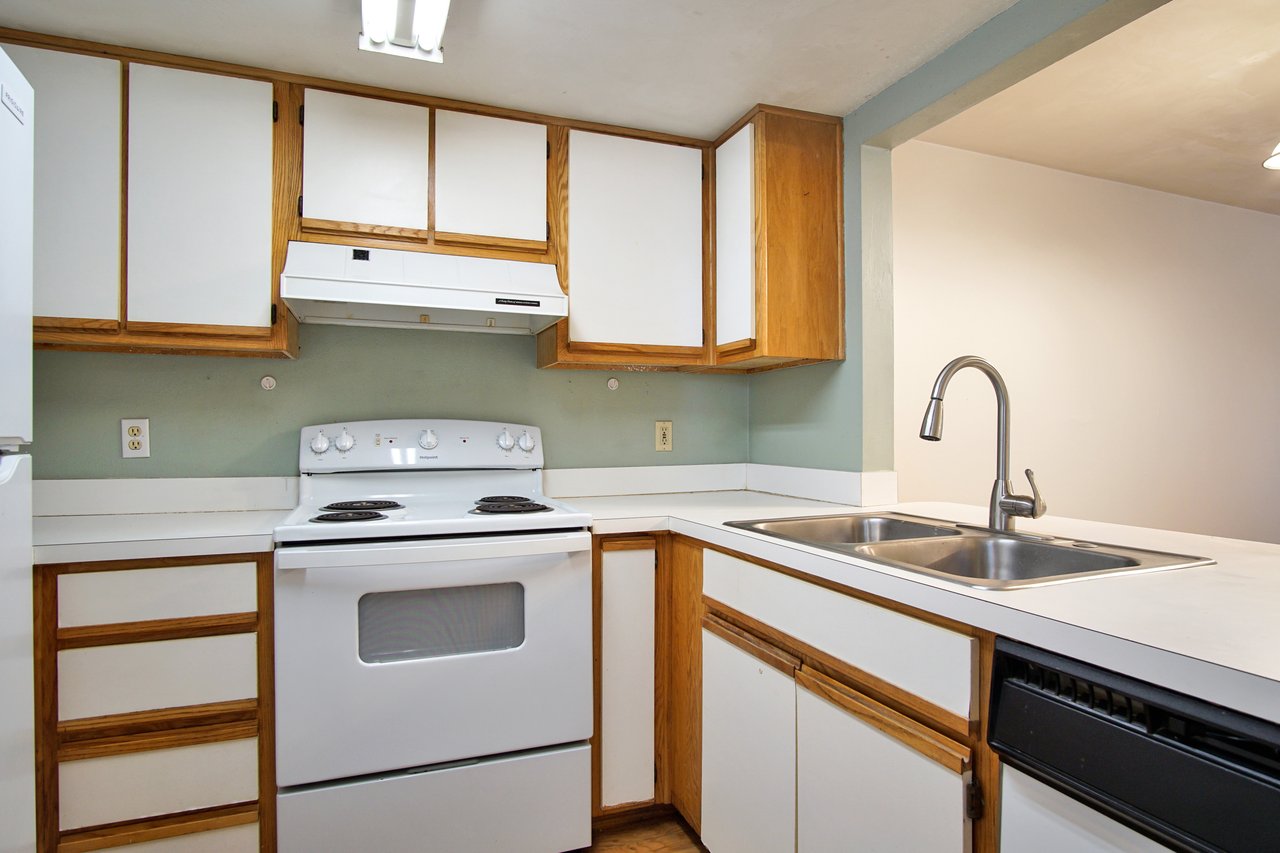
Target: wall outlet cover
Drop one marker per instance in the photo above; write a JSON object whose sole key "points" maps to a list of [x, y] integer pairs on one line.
{"points": [[662, 435], [135, 438]]}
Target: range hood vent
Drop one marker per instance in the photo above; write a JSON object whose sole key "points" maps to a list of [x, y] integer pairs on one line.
{"points": [[348, 286]]}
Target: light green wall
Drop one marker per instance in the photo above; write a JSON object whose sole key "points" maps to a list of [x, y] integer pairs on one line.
{"points": [[841, 416], [210, 418]]}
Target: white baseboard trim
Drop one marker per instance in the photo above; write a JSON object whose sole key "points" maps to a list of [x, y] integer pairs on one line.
{"points": [[147, 495], [643, 480], [858, 488]]}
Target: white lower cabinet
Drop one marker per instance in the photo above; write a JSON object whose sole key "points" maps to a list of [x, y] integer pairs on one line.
{"points": [[860, 788], [748, 751]]}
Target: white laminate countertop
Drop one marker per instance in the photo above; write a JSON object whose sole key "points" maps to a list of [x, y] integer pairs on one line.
{"points": [[77, 538], [1212, 632]]}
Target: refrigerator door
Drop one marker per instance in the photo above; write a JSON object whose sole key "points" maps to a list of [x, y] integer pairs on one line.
{"points": [[17, 121], [17, 713]]}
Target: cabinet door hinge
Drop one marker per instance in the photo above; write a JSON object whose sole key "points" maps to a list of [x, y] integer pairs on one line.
{"points": [[548, 149], [275, 111], [548, 229], [302, 114], [273, 313], [299, 205], [973, 803]]}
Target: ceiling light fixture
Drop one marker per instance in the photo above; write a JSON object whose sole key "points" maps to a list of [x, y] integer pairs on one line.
{"points": [[1273, 162], [412, 28]]}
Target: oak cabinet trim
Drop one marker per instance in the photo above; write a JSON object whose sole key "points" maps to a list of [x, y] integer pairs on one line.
{"points": [[783, 662], [106, 836], [70, 323], [153, 721], [148, 741], [156, 630], [943, 750], [898, 698]]}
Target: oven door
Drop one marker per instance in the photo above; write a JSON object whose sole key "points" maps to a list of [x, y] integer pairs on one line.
{"points": [[403, 654]]}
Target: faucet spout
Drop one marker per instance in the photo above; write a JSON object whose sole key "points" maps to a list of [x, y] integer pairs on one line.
{"points": [[1004, 504]]}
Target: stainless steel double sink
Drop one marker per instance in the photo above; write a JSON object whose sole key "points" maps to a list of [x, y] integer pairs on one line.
{"points": [[974, 556]]}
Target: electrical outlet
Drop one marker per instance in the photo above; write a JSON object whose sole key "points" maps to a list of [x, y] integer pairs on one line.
{"points": [[662, 435], [135, 438]]}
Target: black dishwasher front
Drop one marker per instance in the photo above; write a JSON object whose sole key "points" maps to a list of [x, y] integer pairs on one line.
{"points": [[1190, 774]]}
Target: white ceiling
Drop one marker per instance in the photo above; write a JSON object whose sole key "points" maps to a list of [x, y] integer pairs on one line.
{"points": [[1185, 100], [682, 67]]}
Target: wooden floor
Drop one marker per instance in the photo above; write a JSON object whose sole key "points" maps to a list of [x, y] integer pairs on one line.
{"points": [[668, 835]]}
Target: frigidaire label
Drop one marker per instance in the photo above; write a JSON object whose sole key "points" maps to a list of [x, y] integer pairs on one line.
{"points": [[15, 106], [532, 303]]}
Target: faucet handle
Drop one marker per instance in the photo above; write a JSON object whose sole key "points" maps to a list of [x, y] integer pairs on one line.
{"points": [[1038, 506], [1025, 506]]}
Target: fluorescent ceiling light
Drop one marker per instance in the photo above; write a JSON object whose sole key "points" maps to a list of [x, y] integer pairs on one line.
{"points": [[411, 28], [1273, 162]]}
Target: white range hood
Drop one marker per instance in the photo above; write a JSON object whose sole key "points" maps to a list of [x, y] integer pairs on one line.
{"points": [[343, 285]]}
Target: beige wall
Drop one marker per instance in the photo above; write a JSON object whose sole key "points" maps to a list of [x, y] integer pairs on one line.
{"points": [[1139, 334]]}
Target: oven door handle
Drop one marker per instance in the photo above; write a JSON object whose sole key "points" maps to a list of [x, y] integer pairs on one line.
{"points": [[432, 551]]}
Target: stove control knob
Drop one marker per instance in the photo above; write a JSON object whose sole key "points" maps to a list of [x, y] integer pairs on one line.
{"points": [[344, 442], [505, 439], [526, 442], [320, 443], [427, 439]]}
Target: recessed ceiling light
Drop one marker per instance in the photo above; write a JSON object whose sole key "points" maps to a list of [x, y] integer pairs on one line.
{"points": [[1273, 162], [410, 28]]}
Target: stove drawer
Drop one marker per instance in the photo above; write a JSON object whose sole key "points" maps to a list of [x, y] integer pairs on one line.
{"points": [[533, 802]]}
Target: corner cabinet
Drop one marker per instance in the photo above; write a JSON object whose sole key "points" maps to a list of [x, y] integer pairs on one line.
{"points": [[633, 261], [830, 722], [779, 228], [155, 209]]}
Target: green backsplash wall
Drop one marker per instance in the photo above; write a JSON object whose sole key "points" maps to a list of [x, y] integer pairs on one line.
{"points": [[210, 418]]}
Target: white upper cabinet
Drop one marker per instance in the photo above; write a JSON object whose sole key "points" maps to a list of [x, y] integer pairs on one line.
{"points": [[491, 176], [635, 241], [364, 160], [199, 197], [77, 182], [735, 238]]}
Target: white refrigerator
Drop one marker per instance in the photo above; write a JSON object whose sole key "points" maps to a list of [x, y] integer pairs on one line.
{"points": [[17, 712]]}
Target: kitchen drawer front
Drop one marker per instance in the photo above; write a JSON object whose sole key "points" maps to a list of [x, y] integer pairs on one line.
{"points": [[146, 676], [931, 662], [233, 839], [134, 595], [143, 784]]}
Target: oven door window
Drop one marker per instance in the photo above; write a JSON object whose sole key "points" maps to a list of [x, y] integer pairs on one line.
{"points": [[415, 624]]}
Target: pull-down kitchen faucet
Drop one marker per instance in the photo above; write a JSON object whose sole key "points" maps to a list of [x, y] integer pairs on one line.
{"points": [[1004, 504]]}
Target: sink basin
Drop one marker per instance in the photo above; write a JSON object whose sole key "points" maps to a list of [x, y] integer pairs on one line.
{"points": [[974, 556], [827, 530]]}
